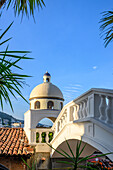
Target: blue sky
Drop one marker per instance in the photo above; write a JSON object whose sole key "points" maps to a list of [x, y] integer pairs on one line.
{"points": [[65, 41]]}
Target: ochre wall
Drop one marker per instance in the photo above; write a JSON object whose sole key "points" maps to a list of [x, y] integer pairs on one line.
{"points": [[41, 159]]}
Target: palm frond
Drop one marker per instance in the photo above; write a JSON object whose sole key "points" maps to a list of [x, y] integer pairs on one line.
{"points": [[23, 7], [107, 27], [75, 162], [11, 82]]}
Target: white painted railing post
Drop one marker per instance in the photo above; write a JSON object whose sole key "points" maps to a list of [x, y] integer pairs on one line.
{"points": [[34, 137], [74, 112], [84, 109], [68, 114], [60, 124], [90, 105], [79, 112], [109, 111], [63, 121], [102, 108], [47, 137]]}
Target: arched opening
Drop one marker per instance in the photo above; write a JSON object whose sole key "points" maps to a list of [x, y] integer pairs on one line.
{"points": [[45, 135], [45, 122], [61, 105], [72, 143], [37, 105], [50, 105], [47, 79]]}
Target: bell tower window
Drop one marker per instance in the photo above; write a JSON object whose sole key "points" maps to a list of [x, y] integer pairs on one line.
{"points": [[37, 105], [61, 105], [47, 79], [50, 105]]}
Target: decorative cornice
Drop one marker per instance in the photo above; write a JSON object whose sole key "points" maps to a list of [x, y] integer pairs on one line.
{"points": [[45, 97]]}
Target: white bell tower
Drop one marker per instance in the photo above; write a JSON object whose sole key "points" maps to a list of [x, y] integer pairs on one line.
{"points": [[46, 101]]}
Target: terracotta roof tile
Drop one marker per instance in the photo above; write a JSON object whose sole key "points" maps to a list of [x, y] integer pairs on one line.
{"points": [[13, 141]]}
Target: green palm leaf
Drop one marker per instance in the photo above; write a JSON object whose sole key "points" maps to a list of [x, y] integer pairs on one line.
{"points": [[75, 162], [11, 82], [107, 27], [22, 7]]}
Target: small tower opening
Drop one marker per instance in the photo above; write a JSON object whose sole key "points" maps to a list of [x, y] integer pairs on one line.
{"points": [[37, 105], [47, 80], [61, 105], [46, 77], [50, 105]]}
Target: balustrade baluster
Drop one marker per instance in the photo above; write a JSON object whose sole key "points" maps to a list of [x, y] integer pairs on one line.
{"points": [[86, 107], [84, 110], [63, 121], [109, 111], [76, 112], [73, 113], [47, 137], [57, 129], [102, 108], [60, 124], [65, 117], [80, 111]]}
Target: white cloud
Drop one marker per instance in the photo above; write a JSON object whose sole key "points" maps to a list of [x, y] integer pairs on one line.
{"points": [[94, 67], [70, 92]]}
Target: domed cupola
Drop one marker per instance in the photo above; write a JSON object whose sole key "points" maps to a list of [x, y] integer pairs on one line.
{"points": [[46, 77], [46, 95]]}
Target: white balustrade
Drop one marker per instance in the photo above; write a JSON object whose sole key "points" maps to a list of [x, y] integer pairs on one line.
{"points": [[90, 104], [37, 135]]}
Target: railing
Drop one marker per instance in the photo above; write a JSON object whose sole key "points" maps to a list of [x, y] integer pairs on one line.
{"points": [[41, 135], [96, 103]]}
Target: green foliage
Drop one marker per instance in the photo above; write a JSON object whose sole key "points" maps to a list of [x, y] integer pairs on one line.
{"points": [[75, 161], [50, 136], [37, 137], [10, 82], [26, 7], [92, 165], [107, 27], [43, 137], [30, 168]]}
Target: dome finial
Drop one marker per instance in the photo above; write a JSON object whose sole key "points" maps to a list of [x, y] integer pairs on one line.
{"points": [[46, 77]]}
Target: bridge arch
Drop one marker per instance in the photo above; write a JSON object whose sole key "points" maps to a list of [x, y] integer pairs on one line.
{"points": [[73, 143], [78, 131]]}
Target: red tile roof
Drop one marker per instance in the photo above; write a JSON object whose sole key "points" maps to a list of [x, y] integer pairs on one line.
{"points": [[13, 141]]}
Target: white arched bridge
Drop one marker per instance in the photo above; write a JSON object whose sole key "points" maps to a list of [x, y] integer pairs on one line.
{"points": [[88, 118]]}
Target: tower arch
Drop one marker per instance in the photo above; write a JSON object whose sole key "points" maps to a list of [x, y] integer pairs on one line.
{"points": [[46, 101]]}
